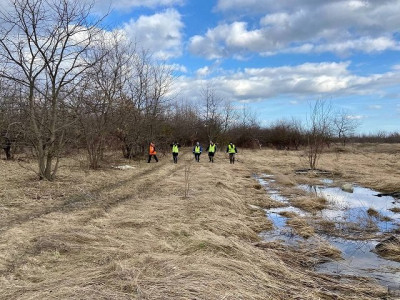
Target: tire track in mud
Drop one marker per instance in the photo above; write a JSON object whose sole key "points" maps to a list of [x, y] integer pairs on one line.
{"points": [[88, 199]]}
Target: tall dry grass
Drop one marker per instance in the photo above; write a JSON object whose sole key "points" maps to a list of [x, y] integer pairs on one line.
{"points": [[130, 234]]}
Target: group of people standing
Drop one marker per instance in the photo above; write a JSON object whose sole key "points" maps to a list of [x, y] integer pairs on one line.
{"points": [[197, 150]]}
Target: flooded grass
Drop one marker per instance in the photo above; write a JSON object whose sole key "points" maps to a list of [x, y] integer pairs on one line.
{"points": [[359, 260], [389, 248], [346, 223], [301, 227], [373, 213], [357, 212], [311, 204], [288, 214], [395, 210]]}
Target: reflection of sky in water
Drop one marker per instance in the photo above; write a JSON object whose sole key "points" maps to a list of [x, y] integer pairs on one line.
{"points": [[277, 197], [278, 220], [360, 216], [281, 232], [274, 194], [326, 181], [360, 261], [361, 197], [352, 207]]}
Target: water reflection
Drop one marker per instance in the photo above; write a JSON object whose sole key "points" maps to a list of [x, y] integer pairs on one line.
{"points": [[345, 208], [359, 260], [265, 180], [353, 207]]}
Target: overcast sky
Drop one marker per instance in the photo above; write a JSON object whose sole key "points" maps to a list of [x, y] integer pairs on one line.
{"points": [[277, 56]]}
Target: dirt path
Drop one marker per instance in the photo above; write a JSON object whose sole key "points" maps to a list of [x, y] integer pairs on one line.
{"points": [[132, 235]]}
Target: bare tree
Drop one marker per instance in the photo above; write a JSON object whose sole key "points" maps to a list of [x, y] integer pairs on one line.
{"points": [[102, 90], [247, 117], [211, 112], [344, 125], [319, 130], [43, 47], [185, 122], [144, 105]]}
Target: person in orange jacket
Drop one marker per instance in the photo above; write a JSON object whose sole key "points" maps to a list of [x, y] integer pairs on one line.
{"points": [[152, 152]]}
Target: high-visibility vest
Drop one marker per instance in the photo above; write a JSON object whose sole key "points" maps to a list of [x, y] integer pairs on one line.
{"points": [[231, 148], [197, 149], [211, 148], [152, 150], [175, 149]]}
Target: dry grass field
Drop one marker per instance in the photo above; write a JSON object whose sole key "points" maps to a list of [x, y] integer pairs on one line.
{"points": [[131, 234]]}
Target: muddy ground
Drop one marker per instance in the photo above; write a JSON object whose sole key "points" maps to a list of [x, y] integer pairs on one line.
{"points": [[131, 234]]}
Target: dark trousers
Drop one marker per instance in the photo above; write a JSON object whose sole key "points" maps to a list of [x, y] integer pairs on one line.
{"points": [[152, 155], [211, 156], [197, 157], [232, 158], [175, 157]]}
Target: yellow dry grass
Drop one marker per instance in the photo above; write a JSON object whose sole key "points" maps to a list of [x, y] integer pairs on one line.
{"points": [[390, 251], [310, 203], [396, 210], [112, 234], [288, 214], [389, 248], [301, 227]]}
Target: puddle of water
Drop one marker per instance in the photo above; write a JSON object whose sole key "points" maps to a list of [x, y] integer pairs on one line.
{"points": [[361, 197], [277, 219], [326, 181], [360, 217], [280, 231], [352, 207], [358, 260], [265, 180]]}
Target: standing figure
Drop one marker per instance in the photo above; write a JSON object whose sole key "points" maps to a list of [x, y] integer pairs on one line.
{"points": [[211, 151], [197, 149], [232, 150], [152, 152], [175, 150]]}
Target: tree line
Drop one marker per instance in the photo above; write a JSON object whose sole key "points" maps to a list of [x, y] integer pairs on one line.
{"points": [[67, 84]]}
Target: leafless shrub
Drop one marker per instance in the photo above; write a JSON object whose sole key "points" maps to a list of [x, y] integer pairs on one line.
{"points": [[318, 132], [187, 179]]}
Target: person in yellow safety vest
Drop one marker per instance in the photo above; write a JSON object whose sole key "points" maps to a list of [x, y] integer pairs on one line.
{"points": [[232, 150], [212, 148], [197, 149], [152, 152], [175, 151]]}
